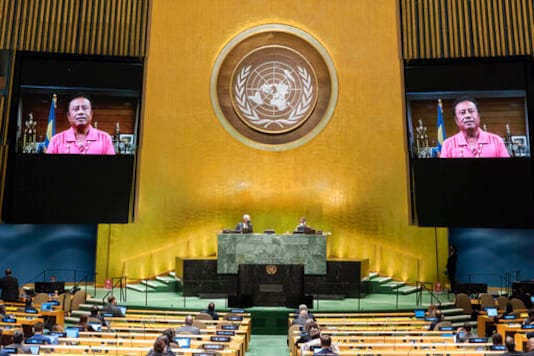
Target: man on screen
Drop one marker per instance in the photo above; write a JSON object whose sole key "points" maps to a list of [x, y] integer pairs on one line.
{"points": [[471, 141], [81, 137]]}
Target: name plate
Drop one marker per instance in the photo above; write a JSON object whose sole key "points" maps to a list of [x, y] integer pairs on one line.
{"points": [[271, 288]]}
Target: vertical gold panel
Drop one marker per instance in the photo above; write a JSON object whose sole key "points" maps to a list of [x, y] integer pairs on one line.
{"points": [[100, 28], [106, 28], [93, 25], [425, 27], [516, 45], [492, 28], [501, 37], [195, 178], [432, 28], [469, 28], [17, 19], [413, 27], [521, 18], [445, 30], [487, 32], [405, 21], [72, 25], [452, 28], [530, 26], [128, 29], [507, 17], [24, 33], [112, 27], [32, 25]]}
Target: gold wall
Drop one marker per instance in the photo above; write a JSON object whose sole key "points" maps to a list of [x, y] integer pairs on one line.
{"points": [[194, 178]]}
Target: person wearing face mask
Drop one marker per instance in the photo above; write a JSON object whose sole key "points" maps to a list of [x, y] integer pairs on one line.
{"points": [[81, 137], [471, 141]]}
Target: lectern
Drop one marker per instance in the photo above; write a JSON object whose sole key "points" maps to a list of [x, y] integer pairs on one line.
{"points": [[271, 284]]}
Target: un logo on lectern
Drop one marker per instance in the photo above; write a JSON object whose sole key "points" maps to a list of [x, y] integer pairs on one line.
{"points": [[265, 87], [271, 269]]}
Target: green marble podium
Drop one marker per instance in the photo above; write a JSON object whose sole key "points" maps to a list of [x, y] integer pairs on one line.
{"points": [[236, 249]]}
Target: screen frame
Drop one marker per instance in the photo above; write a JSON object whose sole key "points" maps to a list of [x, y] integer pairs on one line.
{"points": [[31, 195], [489, 192]]}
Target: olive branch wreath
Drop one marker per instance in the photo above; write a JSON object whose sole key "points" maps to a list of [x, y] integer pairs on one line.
{"points": [[296, 114]]}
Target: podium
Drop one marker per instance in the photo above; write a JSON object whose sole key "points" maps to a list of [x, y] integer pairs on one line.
{"points": [[277, 249], [270, 284]]}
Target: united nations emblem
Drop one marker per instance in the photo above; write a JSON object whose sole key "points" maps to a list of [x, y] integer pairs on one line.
{"points": [[265, 87], [271, 269], [274, 90]]}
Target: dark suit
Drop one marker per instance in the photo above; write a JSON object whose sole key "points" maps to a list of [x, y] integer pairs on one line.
{"points": [[10, 288], [244, 228], [113, 310]]}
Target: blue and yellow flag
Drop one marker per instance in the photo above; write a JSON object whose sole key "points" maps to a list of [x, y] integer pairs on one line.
{"points": [[51, 128], [441, 126]]}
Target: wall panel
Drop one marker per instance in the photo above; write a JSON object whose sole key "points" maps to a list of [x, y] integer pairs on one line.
{"points": [[195, 178]]}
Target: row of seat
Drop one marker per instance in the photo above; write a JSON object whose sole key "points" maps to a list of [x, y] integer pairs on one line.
{"points": [[368, 333]]}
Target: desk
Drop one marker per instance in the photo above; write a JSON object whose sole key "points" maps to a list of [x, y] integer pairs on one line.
{"points": [[236, 249]]}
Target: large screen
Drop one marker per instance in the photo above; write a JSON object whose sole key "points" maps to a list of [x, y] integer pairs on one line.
{"points": [[90, 177], [468, 139]]}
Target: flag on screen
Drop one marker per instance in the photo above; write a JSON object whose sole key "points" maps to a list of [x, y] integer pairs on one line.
{"points": [[51, 128], [441, 126]]}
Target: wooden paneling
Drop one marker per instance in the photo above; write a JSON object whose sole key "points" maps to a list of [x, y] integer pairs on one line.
{"points": [[466, 28], [97, 27]]}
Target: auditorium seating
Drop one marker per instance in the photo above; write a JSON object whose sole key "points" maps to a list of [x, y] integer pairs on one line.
{"points": [[387, 334]]}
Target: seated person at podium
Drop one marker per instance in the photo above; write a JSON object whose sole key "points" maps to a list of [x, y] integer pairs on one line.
{"points": [[302, 226], [245, 225]]}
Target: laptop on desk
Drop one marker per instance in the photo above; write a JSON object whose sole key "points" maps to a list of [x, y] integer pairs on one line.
{"points": [[492, 312]]}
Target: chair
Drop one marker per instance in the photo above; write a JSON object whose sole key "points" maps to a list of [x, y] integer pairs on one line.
{"points": [[292, 331], [203, 316], [486, 301], [517, 304], [441, 324], [78, 299], [199, 324], [40, 298], [463, 302], [65, 300], [501, 302]]}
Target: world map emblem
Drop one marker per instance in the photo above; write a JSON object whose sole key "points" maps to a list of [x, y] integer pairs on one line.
{"points": [[274, 87], [274, 95]]}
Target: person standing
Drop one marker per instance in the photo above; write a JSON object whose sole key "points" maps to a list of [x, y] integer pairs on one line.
{"points": [[81, 137], [451, 267], [9, 286]]}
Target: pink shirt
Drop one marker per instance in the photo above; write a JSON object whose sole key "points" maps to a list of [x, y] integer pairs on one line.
{"points": [[488, 145], [97, 143]]}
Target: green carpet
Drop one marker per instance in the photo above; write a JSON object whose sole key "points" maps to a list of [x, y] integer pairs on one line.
{"points": [[267, 320]]}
